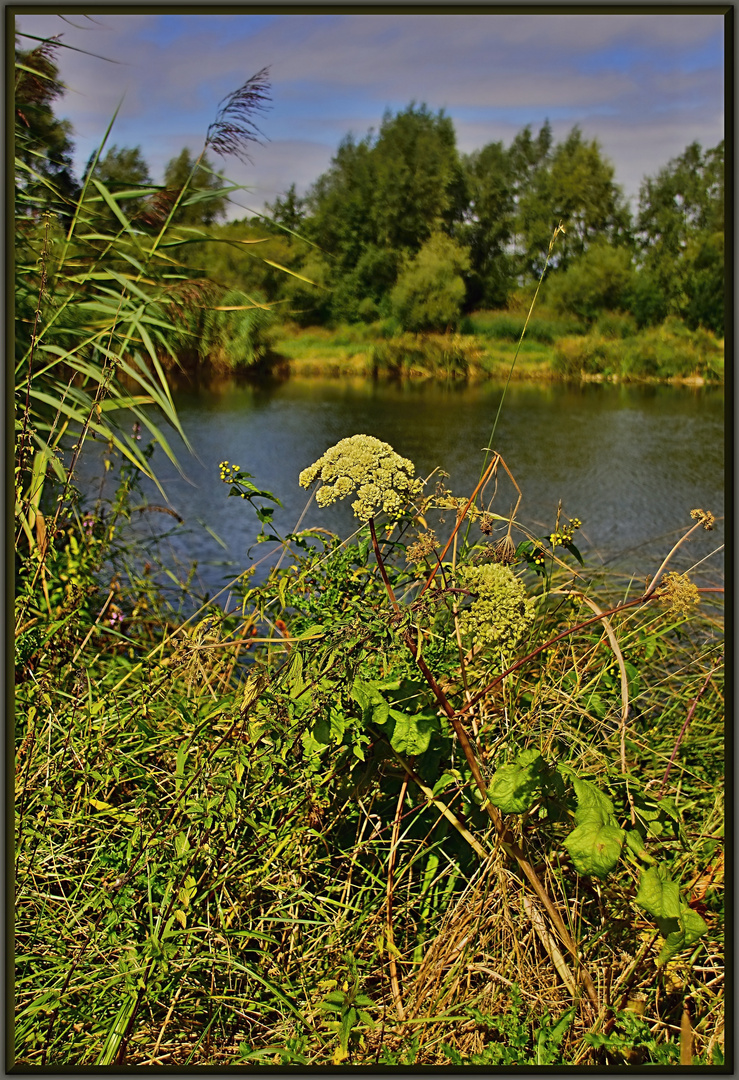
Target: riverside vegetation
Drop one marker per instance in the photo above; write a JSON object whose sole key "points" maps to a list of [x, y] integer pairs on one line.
{"points": [[410, 801], [407, 257]]}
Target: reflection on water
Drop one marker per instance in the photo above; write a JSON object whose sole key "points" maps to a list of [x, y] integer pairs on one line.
{"points": [[630, 461]]}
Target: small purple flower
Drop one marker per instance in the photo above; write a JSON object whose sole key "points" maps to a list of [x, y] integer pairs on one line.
{"points": [[115, 619], [88, 523], [137, 431]]}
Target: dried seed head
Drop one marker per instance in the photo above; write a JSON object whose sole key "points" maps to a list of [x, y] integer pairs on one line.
{"points": [[705, 517], [424, 545], [486, 524], [505, 551], [678, 593], [233, 128]]}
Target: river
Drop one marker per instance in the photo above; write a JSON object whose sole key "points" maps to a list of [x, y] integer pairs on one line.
{"points": [[630, 461]]}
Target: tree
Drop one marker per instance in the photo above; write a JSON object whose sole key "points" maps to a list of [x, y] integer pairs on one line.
{"points": [[430, 289], [121, 169], [680, 235], [195, 208], [487, 229], [599, 280], [575, 187], [287, 214], [43, 143], [419, 181], [382, 197]]}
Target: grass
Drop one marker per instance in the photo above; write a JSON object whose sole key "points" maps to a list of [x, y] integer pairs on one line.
{"points": [[552, 348], [200, 883]]}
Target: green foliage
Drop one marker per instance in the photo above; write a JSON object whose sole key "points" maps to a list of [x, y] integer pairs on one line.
{"points": [[44, 148], [515, 788], [430, 290], [670, 350], [204, 199], [595, 844], [678, 923], [598, 280], [236, 333], [680, 227], [516, 1037]]}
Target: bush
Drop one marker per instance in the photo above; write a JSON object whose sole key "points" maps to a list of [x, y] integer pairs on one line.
{"points": [[430, 290], [598, 280]]}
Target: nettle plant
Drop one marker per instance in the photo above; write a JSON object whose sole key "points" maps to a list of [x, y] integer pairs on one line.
{"points": [[421, 669]]}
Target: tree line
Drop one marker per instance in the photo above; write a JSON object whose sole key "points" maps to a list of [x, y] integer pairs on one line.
{"points": [[404, 228]]}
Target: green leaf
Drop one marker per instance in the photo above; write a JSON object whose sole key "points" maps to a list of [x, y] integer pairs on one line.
{"points": [[412, 734], [516, 787], [571, 547], [660, 896], [592, 804], [691, 928], [595, 848]]}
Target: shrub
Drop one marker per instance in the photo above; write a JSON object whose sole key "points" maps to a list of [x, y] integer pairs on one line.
{"points": [[430, 290]]}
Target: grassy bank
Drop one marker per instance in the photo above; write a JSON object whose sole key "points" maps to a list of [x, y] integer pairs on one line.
{"points": [[612, 348], [257, 837]]}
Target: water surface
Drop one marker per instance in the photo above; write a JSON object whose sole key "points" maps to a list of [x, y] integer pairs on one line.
{"points": [[630, 461]]}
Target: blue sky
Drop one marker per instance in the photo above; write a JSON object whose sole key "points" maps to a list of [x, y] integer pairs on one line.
{"points": [[645, 85]]}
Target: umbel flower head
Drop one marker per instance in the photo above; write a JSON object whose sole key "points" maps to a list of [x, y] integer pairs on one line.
{"points": [[501, 614], [382, 479]]}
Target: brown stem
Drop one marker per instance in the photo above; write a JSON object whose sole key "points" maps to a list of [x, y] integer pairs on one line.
{"points": [[506, 837], [460, 519], [381, 564]]}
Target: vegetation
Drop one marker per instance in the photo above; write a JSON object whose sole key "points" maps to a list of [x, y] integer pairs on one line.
{"points": [[410, 801], [405, 235]]}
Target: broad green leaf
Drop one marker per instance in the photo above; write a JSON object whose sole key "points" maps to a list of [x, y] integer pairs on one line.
{"points": [[592, 804], [595, 847], [516, 787], [660, 896], [412, 734]]}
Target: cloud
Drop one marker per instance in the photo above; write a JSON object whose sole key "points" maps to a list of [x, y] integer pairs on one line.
{"points": [[644, 84]]}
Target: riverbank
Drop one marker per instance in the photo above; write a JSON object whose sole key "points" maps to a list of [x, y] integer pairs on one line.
{"points": [[613, 350]]}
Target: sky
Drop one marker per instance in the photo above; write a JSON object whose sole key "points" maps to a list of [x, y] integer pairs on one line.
{"points": [[644, 85]]}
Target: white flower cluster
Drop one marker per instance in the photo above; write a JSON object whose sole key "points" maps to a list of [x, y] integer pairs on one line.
{"points": [[501, 614], [382, 479]]}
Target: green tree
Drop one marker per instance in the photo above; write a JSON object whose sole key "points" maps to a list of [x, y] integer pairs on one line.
{"points": [[430, 289], [121, 169], [599, 280], [575, 187], [286, 215], [680, 235], [383, 197], [44, 148], [202, 205], [487, 229]]}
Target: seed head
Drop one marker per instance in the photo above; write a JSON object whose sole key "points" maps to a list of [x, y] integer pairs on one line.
{"points": [[705, 517]]}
